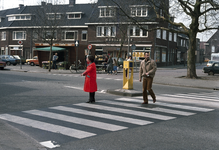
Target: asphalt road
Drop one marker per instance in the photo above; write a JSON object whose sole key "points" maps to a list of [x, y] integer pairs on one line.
{"points": [[35, 95]]}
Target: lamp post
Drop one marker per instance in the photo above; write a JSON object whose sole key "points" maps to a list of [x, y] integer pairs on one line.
{"points": [[76, 44]]}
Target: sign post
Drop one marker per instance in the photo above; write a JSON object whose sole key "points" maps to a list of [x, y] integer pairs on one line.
{"points": [[20, 43], [76, 44], [133, 49]]}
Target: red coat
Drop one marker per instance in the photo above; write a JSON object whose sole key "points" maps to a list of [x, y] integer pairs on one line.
{"points": [[90, 84]]}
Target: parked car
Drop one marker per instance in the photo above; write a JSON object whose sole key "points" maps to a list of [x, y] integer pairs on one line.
{"points": [[8, 59], [23, 60], [33, 61], [211, 70], [2, 64], [120, 61], [210, 62]]}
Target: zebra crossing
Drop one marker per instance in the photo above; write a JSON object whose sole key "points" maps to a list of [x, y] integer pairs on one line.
{"points": [[83, 120]]}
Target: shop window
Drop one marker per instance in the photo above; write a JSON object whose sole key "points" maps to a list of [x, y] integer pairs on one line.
{"points": [[164, 55], [157, 55]]}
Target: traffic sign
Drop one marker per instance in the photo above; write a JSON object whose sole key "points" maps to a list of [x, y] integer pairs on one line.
{"points": [[77, 43], [20, 42], [89, 46], [133, 47]]}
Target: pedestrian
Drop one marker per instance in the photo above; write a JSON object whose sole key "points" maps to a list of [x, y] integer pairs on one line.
{"points": [[110, 65], [147, 71], [90, 84], [115, 66], [129, 58], [54, 59]]}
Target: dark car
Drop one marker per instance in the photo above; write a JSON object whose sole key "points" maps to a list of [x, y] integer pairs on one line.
{"points": [[8, 59], [2, 64], [211, 70]]}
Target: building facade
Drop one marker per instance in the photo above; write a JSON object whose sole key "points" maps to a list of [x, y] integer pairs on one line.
{"points": [[101, 24]]}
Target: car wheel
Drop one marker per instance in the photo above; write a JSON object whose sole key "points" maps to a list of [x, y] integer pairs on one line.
{"points": [[211, 73], [8, 63], [32, 64], [14, 64]]}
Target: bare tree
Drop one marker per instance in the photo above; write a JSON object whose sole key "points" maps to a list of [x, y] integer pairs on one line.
{"points": [[197, 16], [48, 20]]}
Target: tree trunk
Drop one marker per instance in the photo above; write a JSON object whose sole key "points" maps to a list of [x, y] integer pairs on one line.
{"points": [[191, 68], [50, 57]]}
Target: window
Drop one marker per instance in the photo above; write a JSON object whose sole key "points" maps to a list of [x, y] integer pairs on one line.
{"points": [[70, 35], [164, 34], [3, 36], [107, 11], [53, 16], [19, 17], [175, 37], [159, 33], [84, 36], [163, 55], [50, 35], [35, 35], [170, 36], [157, 55], [136, 31], [19, 35], [106, 31], [74, 16], [139, 11]]}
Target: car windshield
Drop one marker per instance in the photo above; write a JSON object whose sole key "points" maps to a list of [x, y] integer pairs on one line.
{"points": [[11, 57], [16, 57]]}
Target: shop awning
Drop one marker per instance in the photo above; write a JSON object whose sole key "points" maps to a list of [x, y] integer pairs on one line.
{"points": [[47, 49]]}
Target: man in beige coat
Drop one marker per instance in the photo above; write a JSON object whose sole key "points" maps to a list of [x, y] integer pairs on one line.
{"points": [[147, 71]]}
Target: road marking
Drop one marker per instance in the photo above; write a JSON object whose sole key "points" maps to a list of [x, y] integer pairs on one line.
{"points": [[126, 111], [102, 115], [47, 126], [188, 96], [72, 87], [171, 105], [86, 122], [157, 109]]}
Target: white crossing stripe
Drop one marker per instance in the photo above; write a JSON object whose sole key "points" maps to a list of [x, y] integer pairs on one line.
{"points": [[157, 109], [126, 111], [188, 96], [47, 126], [171, 105], [118, 79], [86, 122], [103, 115], [72, 87]]}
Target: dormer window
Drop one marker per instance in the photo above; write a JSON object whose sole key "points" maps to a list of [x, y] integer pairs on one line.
{"points": [[54, 16], [74, 15], [17, 17], [107, 11], [139, 11]]}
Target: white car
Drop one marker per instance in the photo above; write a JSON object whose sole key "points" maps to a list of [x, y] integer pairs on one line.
{"points": [[210, 62]]}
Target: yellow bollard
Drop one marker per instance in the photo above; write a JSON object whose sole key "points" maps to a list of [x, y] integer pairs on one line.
{"points": [[128, 77]]}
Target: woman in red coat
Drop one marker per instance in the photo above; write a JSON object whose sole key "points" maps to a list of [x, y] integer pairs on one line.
{"points": [[90, 84]]}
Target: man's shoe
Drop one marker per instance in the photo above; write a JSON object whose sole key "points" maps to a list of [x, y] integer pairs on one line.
{"points": [[88, 101], [154, 100], [144, 103]]}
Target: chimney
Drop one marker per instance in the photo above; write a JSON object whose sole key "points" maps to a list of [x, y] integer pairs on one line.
{"points": [[71, 2], [43, 3], [20, 6]]}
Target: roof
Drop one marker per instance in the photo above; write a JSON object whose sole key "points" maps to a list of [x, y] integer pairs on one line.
{"points": [[38, 11]]}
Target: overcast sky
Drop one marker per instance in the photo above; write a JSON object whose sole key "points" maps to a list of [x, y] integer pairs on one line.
{"points": [[6, 4]]}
